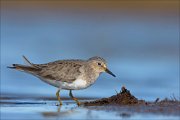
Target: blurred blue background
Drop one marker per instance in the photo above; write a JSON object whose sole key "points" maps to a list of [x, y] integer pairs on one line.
{"points": [[139, 40]]}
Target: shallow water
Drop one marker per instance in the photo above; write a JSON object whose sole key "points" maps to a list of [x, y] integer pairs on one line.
{"points": [[40, 109]]}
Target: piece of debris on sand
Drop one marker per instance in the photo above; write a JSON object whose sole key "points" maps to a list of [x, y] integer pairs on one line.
{"points": [[122, 98]]}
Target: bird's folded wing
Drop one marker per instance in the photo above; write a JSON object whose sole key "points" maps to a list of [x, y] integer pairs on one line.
{"points": [[62, 71]]}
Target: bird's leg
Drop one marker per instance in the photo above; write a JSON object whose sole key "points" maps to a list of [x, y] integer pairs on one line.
{"points": [[75, 99], [58, 96]]}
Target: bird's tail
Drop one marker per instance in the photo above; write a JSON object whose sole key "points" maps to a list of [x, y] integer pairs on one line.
{"points": [[26, 68], [22, 67]]}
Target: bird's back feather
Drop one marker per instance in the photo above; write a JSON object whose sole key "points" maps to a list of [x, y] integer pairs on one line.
{"points": [[61, 70], [64, 71]]}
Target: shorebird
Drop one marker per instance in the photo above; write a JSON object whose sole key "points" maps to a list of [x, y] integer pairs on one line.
{"points": [[69, 75]]}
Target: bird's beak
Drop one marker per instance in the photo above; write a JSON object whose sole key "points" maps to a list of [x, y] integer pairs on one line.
{"points": [[108, 71]]}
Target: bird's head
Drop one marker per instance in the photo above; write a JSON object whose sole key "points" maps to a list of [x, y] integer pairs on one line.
{"points": [[99, 65]]}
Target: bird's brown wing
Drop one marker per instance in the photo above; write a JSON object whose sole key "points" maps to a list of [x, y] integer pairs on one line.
{"points": [[65, 71]]}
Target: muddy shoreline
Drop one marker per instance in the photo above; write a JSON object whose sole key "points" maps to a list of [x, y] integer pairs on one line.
{"points": [[126, 102]]}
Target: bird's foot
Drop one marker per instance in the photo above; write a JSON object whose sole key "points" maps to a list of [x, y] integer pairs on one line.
{"points": [[78, 103]]}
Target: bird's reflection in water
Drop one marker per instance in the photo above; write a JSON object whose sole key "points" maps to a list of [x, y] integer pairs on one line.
{"points": [[70, 110], [62, 111]]}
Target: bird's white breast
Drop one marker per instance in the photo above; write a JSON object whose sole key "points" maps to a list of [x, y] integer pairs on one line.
{"points": [[77, 84]]}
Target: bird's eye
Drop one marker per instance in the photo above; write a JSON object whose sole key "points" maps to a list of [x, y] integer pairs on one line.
{"points": [[99, 63]]}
